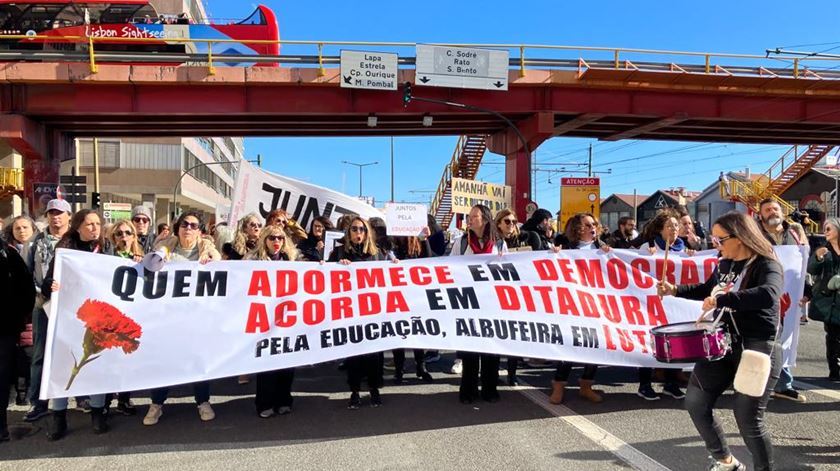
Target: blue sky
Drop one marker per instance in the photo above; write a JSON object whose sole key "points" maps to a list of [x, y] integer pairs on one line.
{"points": [[747, 27]]}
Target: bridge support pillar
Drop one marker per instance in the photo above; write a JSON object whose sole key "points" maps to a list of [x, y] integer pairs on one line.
{"points": [[535, 129], [42, 150]]}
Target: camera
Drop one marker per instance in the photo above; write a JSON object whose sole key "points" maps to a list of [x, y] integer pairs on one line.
{"points": [[799, 216]]}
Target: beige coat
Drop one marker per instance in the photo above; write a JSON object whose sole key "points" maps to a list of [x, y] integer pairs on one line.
{"points": [[206, 249]]}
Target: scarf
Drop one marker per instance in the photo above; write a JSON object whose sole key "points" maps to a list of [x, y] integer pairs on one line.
{"points": [[677, 246], [478, 247]]}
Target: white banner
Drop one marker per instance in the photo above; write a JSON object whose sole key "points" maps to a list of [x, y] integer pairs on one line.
{"points": [[115, 328], [261, 192], [405, 219]]}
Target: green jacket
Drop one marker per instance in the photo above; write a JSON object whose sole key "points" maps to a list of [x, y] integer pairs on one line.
{"points": [[825, 304]]}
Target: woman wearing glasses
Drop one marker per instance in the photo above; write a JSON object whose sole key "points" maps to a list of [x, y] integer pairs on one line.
{"points": [[186, 245], [245, 239], [581, 234], [84, 234], [124, 244], [360, 246], [312, 248], [515, 239], [481, 237], [281, 218], [661, 233], [748, 284], [274, 388]]}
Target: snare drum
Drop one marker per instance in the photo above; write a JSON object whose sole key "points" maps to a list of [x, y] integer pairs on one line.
{"points": [[688, 342]]}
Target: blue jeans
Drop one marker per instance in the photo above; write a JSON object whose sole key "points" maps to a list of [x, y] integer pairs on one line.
{"points": [[201, 391], [39, 345], [785, 380], [97, 401]]}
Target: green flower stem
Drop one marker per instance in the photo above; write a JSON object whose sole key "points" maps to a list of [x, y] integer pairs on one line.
{"points": [[77, 367]]}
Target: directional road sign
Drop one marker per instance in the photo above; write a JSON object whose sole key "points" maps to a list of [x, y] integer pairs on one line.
{"points": [[460, 67], [368, 70]]}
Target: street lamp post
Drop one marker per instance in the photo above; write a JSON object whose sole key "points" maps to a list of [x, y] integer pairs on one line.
{"points": [[361, 166], [184, 173]]}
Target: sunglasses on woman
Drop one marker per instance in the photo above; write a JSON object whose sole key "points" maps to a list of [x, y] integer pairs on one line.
{"points": [[358, 229], [190, 226], [509, 222], [123, 233], [140, 220], [276, 238], [254, 225]]}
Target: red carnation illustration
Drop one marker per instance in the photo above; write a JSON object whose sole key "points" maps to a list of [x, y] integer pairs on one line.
{"points": [[107, 327], [785, 305]]}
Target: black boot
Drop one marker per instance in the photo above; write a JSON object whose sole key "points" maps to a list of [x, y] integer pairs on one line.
{"points": [[98, 418], [58, 425]]}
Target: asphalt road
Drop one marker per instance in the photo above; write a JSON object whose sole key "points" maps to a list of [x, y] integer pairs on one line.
{"points": [[423, 426]]}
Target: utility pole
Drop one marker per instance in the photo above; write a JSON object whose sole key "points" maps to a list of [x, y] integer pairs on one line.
{"points": [[361, 166], [590, 159], [392, 169], [96, 195]]}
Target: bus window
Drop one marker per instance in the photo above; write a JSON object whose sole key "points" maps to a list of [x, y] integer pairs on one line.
{"points": [[118, 14], [256, 18], [8, 19], [69, 16], [39, 17], [146, 14]]}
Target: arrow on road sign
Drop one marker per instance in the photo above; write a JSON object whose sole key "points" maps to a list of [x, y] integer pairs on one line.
{"points": [[348, 79], [498, 84], [425, 79]]}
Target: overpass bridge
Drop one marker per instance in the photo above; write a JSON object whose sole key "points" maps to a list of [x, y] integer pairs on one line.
{"points": [[47, 100]]}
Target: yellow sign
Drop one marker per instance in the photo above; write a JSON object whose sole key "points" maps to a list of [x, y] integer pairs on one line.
{"points": [[468, 193], [579, 195]]}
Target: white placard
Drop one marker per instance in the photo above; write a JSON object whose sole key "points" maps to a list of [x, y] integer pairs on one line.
{"points": [[405, 219], [331, 240], [369, 70]]}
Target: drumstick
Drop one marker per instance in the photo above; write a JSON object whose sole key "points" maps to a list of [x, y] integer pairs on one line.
{"points": [[665, 263]]}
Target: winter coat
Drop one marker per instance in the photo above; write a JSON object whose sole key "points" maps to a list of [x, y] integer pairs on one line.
{"points": [[17, 291], [825, 303], [206, 248]]}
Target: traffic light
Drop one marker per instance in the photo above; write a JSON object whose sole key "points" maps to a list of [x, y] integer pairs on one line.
{"points": [[94, 200], [407, 94]]}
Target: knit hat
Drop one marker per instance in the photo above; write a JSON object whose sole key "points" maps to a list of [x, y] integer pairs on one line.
{"points": [[141, 211]]}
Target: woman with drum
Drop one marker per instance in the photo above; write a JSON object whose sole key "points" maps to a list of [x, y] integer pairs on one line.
{"points": [[744, 293]]}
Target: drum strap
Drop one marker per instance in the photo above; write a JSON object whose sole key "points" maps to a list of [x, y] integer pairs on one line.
{"points": [[735, 287]]}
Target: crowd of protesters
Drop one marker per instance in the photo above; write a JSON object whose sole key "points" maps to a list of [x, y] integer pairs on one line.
{"points": [[27, 261]]}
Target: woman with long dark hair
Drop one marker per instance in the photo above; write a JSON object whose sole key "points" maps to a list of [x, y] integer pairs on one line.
{"points": [[360, 246], [581, 233], [85, 234], [312, 248], [481, 237], [274, 388], [747, 285]]}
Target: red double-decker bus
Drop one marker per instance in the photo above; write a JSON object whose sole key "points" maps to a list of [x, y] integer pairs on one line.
{"points": [[62, 20]]}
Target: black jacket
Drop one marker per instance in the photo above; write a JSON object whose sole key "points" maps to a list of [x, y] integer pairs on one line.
{"points": [[617, 240], [308, 249], [16, 290], [755, 305], [354, 254], [526, 239]]}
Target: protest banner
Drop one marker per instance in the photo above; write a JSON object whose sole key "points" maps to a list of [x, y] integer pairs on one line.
{"points": [[405, 219], [258, 191], [192, 322], [468, 193]]}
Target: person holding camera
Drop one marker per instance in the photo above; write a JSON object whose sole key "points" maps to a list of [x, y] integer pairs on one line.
{"points": [[778, 232]]}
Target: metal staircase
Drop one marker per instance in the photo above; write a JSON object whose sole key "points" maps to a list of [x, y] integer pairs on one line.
{"points": [[465, 161], [791, 167], [776, 180]]}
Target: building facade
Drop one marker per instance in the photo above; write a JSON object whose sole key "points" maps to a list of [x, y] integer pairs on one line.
{"points": [[617, 206]]}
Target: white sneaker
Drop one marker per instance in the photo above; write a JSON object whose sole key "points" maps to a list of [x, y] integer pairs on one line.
{"points": [[457, 367], [206, 412], [152, 417], [264, 414], [735, 465]]}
